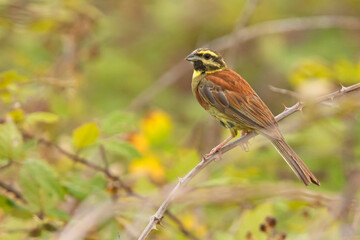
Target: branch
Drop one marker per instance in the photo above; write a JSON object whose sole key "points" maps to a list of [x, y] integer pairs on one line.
{"points": [[157, 217], [12, 190], [84, 161], [286, 92], [224, 194], [245, 34], [8, 164]]}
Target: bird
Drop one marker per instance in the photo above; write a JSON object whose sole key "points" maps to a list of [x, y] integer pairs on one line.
{"points": [[230, 99]]}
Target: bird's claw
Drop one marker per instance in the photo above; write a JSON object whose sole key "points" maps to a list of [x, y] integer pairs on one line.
{"points": [[245, 146], [212, 152]]}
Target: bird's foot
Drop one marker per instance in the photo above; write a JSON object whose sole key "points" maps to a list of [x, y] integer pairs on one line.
{"points": [[244, 132], [216, 149]]}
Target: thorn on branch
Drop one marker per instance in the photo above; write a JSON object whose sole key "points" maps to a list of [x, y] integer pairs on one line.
{"points": [[285, 107], [343, 88], [301, 106], [204, 159], [156, 220], [181, 180]]}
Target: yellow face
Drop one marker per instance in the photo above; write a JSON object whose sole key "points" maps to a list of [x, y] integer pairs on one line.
{"points": [[206, 60]]}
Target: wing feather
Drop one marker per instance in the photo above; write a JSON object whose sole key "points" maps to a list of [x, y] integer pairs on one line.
{"points": [[232, 96]]}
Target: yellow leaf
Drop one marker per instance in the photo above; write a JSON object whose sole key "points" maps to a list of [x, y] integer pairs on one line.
{"points": [[309, 70], [192, 222], [45, 117], [85, 135], [9, 77], [346, 71], [156, 126], [17, 115], [11, 142], [148, 166]]}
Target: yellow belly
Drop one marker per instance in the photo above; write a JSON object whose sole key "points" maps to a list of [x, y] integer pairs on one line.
{"points": [[227, 122]]}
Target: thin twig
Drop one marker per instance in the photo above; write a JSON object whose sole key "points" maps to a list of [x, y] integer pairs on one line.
{"points": [[12, 190], [286, 92], [243, 35], [157, 217], [8, 164], [94, 166]]}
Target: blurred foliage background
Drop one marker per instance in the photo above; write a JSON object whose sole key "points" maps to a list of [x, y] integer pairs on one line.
{"points": [[89, 148]]}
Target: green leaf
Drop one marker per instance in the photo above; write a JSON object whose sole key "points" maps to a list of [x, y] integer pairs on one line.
{"points": [[13, 209], [85, 135], [80, 188], [58, 214], [44, 117], [40, 185], [117, 122], [124, 149], [10, 141]]}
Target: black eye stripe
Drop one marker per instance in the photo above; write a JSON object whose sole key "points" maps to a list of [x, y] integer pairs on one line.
{"points": [[207, 56]]}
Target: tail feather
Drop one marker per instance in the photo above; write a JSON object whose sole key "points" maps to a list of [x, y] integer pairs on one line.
{"points": [[295, 162]]}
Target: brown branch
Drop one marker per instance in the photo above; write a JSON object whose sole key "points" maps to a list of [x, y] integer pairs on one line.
{"points": [[12, 190], [91, 165], [8, 164], [157, 217], [243, 35]]}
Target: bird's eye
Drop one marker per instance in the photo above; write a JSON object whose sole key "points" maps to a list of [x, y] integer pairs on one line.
{"points": [[207, 56]]}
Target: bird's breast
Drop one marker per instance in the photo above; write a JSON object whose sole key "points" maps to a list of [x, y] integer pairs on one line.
{"points": [[196, 78]]}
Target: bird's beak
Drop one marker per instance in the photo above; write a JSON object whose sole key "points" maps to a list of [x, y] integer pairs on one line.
{"points": [[192, 57]]}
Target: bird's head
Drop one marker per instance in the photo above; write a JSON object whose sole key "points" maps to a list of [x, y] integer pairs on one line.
{"points": [[206, 60]]}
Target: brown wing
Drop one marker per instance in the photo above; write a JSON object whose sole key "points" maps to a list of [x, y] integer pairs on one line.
{"points": [[232, 96]]}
